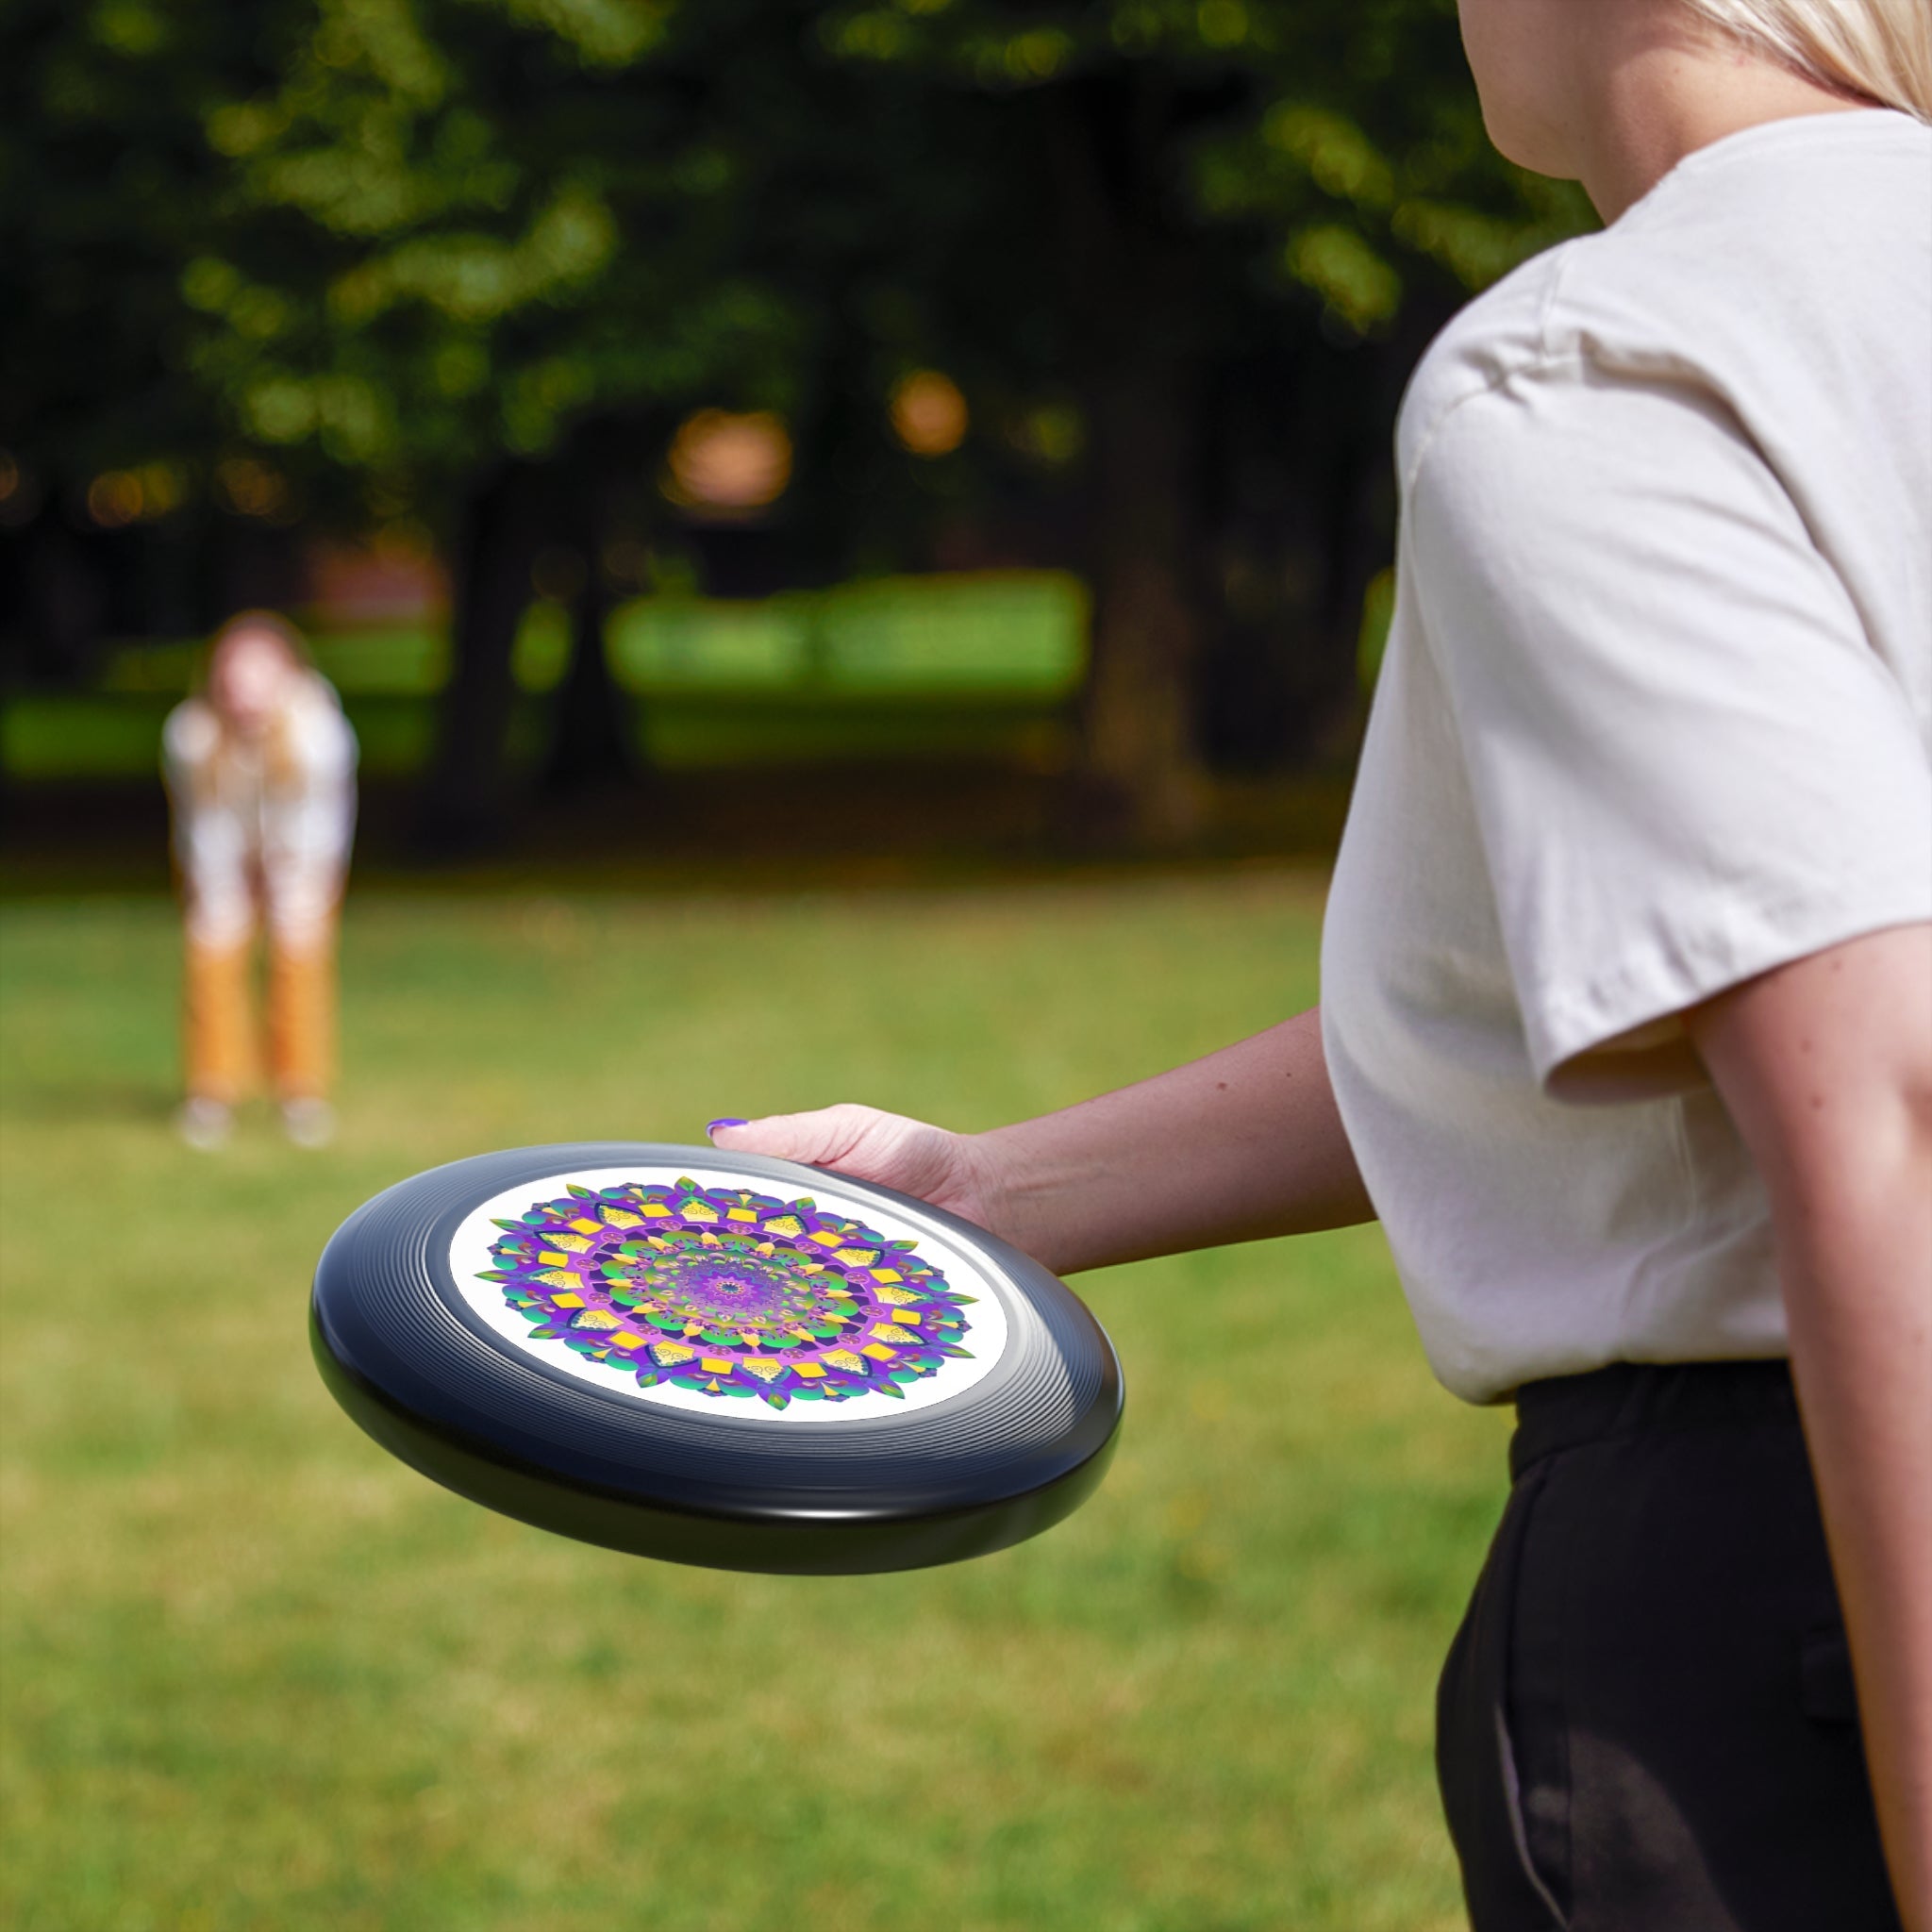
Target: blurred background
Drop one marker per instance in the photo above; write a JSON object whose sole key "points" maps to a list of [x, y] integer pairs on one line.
{"points": [[855, 540]]}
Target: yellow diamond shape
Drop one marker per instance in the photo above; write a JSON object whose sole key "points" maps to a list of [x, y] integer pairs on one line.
{"points": [[550, 1260], [584, 1226], [741, 1214], [829, 1238], [882, 1355], [624, 1339], [716, 1364], [568, 1301], [886, 1275], [810, 1370]]}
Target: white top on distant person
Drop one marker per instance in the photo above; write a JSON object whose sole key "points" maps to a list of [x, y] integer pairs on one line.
{"points": [[1628, 971], [260, 768]]}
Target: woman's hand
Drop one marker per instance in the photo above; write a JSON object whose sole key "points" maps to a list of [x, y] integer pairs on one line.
{"points": [[1236, 1147], [951, 1171]]}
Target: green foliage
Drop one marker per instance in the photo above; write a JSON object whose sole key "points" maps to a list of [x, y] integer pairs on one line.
{"points": [[106, 189], [396, 239], [255, 1673], [1347, 133], [499, 240]]}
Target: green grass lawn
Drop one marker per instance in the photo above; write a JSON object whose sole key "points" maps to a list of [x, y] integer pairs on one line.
{"points": [[257, 1674]]}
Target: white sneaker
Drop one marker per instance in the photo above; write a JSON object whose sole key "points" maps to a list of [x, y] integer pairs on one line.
{"points": [[203, 1124], [308, 1122]]}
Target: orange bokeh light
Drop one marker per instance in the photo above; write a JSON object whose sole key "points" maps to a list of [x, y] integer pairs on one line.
{"points": [[251, 489], [115, 499], [929, 415], [728, 464]]}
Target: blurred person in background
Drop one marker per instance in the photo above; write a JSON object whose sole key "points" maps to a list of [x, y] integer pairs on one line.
{"points": [[260, 768], [1626, 1021]]}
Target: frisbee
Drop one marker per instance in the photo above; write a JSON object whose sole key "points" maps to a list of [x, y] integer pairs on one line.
{"points": [[715, 1359]]}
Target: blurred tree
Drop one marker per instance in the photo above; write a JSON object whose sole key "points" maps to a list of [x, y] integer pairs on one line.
{"points": [[471, 261], [1234, 195], [106, 189], [531, 236]]}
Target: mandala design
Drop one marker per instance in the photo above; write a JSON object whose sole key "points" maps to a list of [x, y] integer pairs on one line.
{"points": [[728, 1292]]}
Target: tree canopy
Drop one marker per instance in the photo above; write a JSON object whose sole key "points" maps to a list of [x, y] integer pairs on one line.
{"points": [[435, 260]]}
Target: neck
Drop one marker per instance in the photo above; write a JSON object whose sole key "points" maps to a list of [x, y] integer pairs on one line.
{"points": [[1661, 92]]}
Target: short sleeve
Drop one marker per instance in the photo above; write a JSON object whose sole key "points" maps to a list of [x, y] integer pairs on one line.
{"points": [[188, 741], [1688, 761], [321, 737]]}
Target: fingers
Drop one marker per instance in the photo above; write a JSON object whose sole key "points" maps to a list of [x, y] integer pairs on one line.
{"points": [[910, 1155], [819, 1139]]}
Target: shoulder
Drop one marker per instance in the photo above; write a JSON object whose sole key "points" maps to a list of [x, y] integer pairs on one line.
{"points": [[191, 735], [321, 736], [1756, 265], [1496, 337]]}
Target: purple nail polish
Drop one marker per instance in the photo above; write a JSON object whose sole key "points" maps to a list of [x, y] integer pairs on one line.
{"points": [[713, 1126]]}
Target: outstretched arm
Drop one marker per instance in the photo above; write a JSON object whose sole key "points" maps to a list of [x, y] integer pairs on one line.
{"points": [[1244, 1145], [1826, 1068]]}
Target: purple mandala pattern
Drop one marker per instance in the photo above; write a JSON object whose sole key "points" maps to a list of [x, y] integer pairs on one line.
{"points": [[730, 1294]]}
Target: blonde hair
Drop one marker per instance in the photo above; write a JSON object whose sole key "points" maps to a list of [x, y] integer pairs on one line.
{"points": [[257, 622], [280, 763], [1879, 50]]}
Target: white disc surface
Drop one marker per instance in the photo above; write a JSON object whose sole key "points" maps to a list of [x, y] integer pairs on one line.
{"points": [[649, 1262]]}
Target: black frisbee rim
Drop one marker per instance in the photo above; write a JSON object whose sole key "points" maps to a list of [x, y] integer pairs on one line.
{"points": [[414, 1367]]}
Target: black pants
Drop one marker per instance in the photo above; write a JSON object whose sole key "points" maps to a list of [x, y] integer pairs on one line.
{"points": [[1646, 1721]]}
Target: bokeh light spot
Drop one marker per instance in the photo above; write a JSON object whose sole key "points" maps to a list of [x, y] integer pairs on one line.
{"points": [[114, 499], [728, 464], [250, 488], [929, 415]]}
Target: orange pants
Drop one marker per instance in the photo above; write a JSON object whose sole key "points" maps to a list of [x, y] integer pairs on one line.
{"points": [[219, 1028]]}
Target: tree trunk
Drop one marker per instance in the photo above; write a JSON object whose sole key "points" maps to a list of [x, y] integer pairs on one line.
{"points": [[1140, 738], [590, 746], [1132, 301], [466, 803], [62, 602], [593, 744]]}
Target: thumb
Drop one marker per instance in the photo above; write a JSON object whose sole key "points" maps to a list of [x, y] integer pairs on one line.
{"points": [[817, 1139]]}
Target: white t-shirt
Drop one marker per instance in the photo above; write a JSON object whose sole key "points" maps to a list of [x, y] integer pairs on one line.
{"points": [[1655, 716], [251, 824]]}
